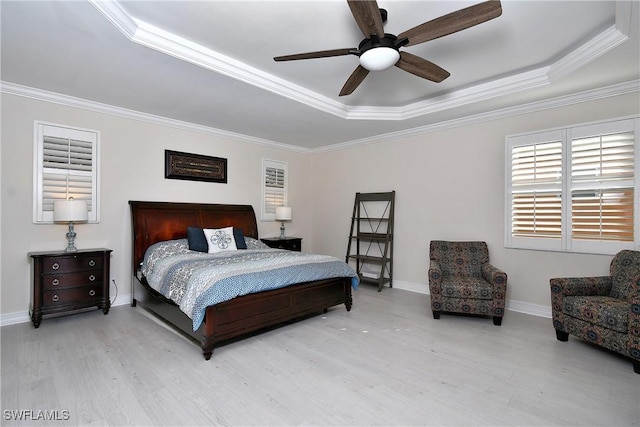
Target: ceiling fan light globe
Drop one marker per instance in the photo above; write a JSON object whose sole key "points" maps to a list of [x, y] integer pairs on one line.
{"points": [[379, 58]]}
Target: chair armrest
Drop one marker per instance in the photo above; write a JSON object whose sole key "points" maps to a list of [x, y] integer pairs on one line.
{"points": [[435, 273], [634, 297], [634, 320], [498, 280], [568, 286], [494, 275], [435, 287], [593, 286]]}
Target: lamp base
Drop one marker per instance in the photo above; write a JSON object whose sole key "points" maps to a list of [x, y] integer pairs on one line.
{"points": [[282, 230], [71, 237]]}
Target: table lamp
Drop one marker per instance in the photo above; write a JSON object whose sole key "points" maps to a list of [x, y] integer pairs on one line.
{"points": [[70, 211], [283, 213]]}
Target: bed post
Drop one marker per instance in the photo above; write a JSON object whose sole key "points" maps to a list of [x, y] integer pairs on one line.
{"points": [[209, 337], [348, 300]]}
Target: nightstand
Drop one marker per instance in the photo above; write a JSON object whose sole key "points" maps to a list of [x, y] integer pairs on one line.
{"points": [[67, 281], [289, 243]]}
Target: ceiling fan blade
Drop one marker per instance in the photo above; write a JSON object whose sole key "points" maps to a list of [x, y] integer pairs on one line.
{"points": [[453, 22], [318, 54], [367, 16], [421, 67], [354, 80]]}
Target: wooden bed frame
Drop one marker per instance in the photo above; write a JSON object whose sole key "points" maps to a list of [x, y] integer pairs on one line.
{"points": [[157, 221]]}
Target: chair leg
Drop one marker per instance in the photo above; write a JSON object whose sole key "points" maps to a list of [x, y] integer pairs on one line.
{"points": [[636, 366], [562, 335], [497, 320], [436, 314]]}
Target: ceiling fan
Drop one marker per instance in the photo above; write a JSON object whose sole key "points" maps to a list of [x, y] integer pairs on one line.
{"points": [[379, 51]]}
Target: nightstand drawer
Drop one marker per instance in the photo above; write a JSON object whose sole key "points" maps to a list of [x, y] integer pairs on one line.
{"points": [[57, 281], [293, 245], [72, 295], [288, 243], [71, 263]]}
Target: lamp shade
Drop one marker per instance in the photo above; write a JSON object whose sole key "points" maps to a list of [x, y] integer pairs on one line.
{"points": [[70, 211], [283, 213]]}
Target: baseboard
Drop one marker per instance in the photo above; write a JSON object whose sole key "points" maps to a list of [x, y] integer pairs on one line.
{"points": [[511, 305], [528, 308], [13, 318], [23, 316], [421, 288], [121, 300]]}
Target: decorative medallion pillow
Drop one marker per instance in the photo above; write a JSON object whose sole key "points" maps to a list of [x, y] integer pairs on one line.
{"points": [[220, 239], [198, 241]]}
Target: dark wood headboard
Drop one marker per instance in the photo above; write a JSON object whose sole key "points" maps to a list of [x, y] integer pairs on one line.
{"points": [[157, 221]]}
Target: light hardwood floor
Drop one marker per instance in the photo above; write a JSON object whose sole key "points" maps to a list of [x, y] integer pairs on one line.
{"points": [[387, 362]]}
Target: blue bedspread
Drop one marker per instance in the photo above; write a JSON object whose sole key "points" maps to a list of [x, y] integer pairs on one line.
{"points": [[195, 280]]}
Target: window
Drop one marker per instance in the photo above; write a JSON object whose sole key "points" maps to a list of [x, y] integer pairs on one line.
{"points": [[65, 165], [573, 189], [274, 189]]}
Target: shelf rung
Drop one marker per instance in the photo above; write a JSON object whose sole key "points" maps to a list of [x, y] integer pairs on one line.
{"points": [[369, 258], [369, 280], [372, 236]]}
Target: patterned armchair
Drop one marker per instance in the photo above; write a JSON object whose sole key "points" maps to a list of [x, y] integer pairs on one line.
{"points": [[461, 280], [602, 310]]}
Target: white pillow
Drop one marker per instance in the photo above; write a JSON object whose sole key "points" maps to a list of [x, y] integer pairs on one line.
{"points": [[220, 239]]}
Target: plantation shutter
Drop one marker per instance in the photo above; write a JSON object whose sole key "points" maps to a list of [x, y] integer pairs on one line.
{"points": [[574, 189], [275, 187], [536, 185], [66, 162], [602, 186]]}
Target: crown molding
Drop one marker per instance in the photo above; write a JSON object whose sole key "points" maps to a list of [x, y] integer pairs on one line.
{"points": [[458, 98], [171, 44], [70, 101], [481, 92], [594, 48], [165, 42], [118, 17], [532, 107], [623, 16]]}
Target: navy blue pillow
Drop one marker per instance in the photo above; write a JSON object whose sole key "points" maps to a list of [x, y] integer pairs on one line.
{"points": [[239, 238], [197, 241]]}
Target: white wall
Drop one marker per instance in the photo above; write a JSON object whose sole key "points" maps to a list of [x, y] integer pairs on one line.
{"points": [[450, 185], [132, 168]]}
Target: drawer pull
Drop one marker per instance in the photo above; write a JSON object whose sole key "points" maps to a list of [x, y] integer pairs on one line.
{"points": [[55, 282], [55, 298], [92, 293], [92, 263], [55, 266], [92, 278]]}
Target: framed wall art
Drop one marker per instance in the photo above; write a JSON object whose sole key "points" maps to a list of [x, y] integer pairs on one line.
{"points": [[194, 167]]}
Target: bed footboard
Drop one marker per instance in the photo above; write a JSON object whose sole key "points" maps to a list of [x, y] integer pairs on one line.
{"points": [[254, 312], [249, 313]]}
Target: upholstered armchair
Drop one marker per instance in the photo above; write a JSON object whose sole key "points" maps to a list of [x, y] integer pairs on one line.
{"points": [[602, 310], [461, 280]]}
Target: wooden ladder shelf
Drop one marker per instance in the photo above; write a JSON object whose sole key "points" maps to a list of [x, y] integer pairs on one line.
{"points": [[371, 238]]}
